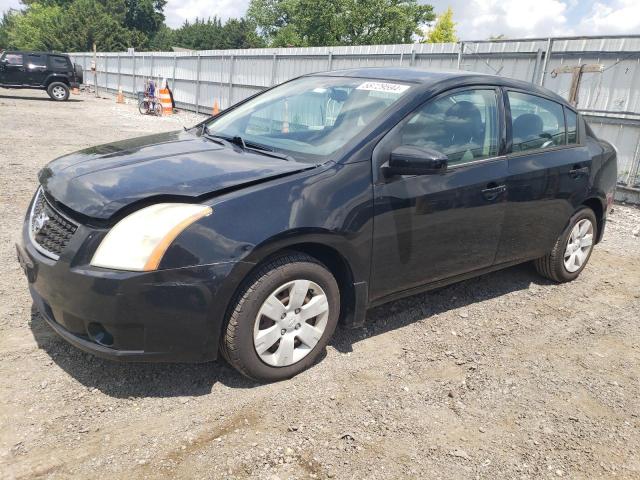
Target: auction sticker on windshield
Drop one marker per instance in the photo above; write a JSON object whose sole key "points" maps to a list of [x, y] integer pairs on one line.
{"points": [[383, 87]]}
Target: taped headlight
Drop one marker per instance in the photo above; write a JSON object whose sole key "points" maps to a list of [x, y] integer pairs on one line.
{"points": [[138, 241]]}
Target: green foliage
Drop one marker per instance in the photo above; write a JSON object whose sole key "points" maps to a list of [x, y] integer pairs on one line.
{"points": [[444, 31], [6, 24], [338, 22], [211, 34]]}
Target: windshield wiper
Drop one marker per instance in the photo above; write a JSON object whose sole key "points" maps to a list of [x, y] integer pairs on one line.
{"points": [[247, 146]]}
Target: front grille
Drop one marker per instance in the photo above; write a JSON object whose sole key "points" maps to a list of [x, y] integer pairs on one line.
{"points": [[50, 231]]}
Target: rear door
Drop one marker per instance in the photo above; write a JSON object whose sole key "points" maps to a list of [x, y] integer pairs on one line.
{"points": [[12, 70], [36, 68], [431, 227], [549, 170]]}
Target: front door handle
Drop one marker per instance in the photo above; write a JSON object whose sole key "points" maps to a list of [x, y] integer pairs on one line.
{"points": [[578, 171], [493, 191]]}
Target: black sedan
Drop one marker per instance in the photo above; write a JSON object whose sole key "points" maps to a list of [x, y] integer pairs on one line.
{"points": [[255, 233]]}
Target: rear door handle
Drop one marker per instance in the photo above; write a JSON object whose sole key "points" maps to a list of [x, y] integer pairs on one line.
{"points": [[493, 191], [578, 171]]}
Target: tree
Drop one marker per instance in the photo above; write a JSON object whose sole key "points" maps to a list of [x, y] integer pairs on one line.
{"points": [[338, 22], [6, 24], [444, 31]]}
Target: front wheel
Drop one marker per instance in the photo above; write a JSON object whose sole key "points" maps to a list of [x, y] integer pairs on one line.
{"points": [[572, 249], [58, 91], [143, 107], [282, 318]]}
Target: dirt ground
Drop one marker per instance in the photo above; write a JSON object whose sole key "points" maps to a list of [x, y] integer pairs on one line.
{"points": [[503, 376]]}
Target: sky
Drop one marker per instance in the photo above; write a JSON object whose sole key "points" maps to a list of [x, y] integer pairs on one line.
{"points": [[476, 19]]}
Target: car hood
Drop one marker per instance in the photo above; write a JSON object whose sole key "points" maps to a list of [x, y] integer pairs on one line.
{"points": [[100, 181]]}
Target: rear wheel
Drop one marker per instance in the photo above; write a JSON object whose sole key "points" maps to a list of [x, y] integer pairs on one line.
{"points": [[58, 91], [572, 249], [282, 319]]}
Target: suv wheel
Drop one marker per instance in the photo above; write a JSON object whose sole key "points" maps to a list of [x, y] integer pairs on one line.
{"points": [[572, 249], [58, 91], [282, 319]]}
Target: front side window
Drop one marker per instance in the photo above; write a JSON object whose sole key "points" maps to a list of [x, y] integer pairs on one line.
{"points": [[13, 59], [309, 118], [536, 123], [463, 125]]}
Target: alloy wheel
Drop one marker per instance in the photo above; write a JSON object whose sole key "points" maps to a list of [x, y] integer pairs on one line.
{"points": [[58, 92], [290, 323], [579, 245]]}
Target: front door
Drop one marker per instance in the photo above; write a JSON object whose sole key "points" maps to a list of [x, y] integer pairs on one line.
{"points": [[431, 227], [549, 171], [12, 71]]}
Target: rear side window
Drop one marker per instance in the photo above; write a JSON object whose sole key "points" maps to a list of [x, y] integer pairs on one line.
{"points": [[34, 60], [536, 123], [572, 126], [13, 58], [60, 63]]}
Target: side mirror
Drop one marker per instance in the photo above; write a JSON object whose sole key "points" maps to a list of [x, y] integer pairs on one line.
{"points": [[410, 160]]}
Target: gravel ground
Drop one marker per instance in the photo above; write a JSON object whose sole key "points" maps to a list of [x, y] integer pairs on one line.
{"points": [[503, 376]]}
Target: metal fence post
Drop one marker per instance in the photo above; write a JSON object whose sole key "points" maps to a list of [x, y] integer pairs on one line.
{"points": [[151, 66], [230, 91], [119, 72], [274, 68], [413, 57], [133, 72], [460, 53], [106, 72], [330, 61], [536, 67], [198, 84], [547, 57], [173, 75]]}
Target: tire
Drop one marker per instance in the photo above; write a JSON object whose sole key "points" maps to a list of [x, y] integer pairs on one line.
{"points": [[58, 91], [244, 333], [554, 265], [143, 107], [158, 109]]}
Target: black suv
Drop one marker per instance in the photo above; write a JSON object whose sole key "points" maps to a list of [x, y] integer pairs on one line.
{"points": [[53, 72]]}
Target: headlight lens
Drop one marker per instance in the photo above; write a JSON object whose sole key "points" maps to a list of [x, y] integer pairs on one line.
{"points": [[138, 241]]}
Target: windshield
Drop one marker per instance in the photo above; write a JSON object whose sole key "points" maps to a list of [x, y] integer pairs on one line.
{"points": [[311, 117]]}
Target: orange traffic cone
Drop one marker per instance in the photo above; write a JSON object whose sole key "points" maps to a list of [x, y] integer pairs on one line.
{"points": [[216, 108], [75, 91], [120, 96]]}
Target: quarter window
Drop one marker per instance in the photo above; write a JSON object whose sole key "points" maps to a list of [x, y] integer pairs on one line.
{"points": [[463, 125], [60, 63], [572, 126], [536, 123]]}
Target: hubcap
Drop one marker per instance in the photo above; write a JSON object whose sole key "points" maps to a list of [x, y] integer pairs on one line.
{"points": [[58, 92], [579, 245], [290, 323]]}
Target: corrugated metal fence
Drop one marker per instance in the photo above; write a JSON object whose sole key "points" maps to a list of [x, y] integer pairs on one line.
{"points": [[609, 97]]}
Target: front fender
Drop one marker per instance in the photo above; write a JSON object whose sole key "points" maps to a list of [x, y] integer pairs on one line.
{"points": [[331, 206]]}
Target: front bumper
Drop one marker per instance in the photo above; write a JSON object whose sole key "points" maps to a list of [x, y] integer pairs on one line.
{"points": [[167, 315]]}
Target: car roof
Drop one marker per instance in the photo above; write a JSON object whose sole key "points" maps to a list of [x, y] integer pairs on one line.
{"points": [[27, 52], [430, 78]]}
